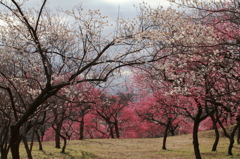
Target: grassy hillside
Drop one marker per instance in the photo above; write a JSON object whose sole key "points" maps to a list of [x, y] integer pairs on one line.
{"points": [[179, 147]]}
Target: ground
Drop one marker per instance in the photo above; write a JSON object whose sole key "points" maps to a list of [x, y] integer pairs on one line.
{"points": [[178, 147]]}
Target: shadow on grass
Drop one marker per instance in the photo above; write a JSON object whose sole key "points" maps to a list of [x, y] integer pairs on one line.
{"points": [[81, 155], [84, 155], [87, 155]]}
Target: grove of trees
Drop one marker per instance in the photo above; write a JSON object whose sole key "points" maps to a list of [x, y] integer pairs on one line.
{"points": [[184, 66]]}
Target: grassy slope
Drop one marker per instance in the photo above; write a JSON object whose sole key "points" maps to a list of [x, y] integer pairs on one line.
{"points": [[179, 147]]}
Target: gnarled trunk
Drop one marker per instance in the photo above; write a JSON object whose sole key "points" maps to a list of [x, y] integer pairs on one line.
{"points": [[166, 133], [214, 121]]}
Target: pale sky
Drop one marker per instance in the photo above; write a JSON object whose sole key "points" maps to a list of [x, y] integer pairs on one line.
{"points": [[107, 7]]}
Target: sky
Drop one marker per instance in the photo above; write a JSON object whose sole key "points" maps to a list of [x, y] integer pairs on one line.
{"points": [[107, 7]]}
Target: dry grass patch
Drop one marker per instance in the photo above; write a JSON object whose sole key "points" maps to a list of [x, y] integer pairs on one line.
{"points": [[179, 147]]}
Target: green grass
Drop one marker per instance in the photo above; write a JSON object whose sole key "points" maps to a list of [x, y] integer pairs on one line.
{"points": [[178, 147]]}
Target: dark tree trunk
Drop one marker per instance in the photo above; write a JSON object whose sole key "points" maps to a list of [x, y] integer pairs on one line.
{"points": [[230, 146], [4, 145], [197, 121], [217, 136], [42, 133], [195, 139], [14, 142], [64, 144], [214, 147], [230, 136], [63, 137], [111, 131], [166, 133], [117, 129], [81, 131], [57, 136], [4, 153], [29, 154], [39, 141], [33, 132], [231, 139]]}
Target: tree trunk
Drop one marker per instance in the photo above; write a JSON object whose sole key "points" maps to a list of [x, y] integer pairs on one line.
{"points": [[195, 139], [39, 141], [81, 131], [117, 129], [14, 142], [57, 137], [111, 131], [64, 144], [4, 146], [197, 121], [27, 147], [230, 136], [231, 139], [230, 146], [214, 147], [166, 134], [32, 141], [42, 133], [4, 153]]}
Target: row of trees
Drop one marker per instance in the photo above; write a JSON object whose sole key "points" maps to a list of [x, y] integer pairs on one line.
{"points": [[43, 52], [88, 112], [201, 80], [185, 72]]}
